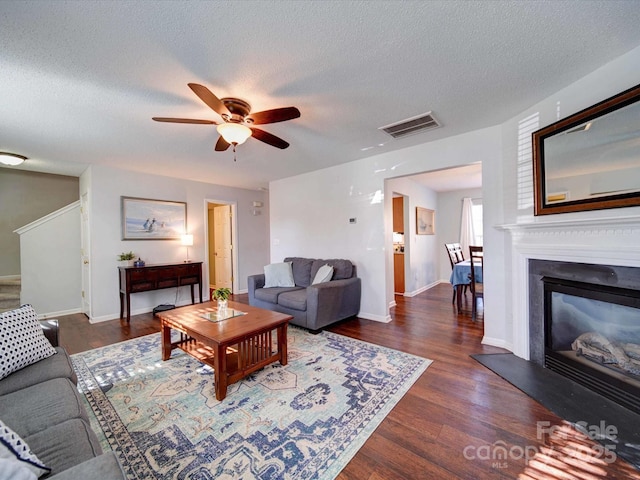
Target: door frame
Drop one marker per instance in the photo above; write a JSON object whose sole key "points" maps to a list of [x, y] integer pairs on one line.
{"points": [[234, 239], [85, 254]]}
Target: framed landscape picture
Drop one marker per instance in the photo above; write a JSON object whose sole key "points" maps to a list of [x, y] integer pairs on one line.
{"points": [[425, 221], [146, 219]]}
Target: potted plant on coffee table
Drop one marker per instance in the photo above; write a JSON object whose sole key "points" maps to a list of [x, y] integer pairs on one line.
{"points": [[221, 295]]}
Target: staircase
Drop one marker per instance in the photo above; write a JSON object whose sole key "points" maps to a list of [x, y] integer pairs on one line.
{"points": [[9, 292]]}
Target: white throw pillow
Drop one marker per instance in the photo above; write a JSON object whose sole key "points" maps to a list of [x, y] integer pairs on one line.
{"points": [[325, 273], [14, 470], [22, 341], [14, 449], [278, 275]]}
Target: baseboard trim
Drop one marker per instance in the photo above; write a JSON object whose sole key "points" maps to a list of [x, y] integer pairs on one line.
{"points": [[9, 278], [44, 316], [497, 342], [104, 318], [375, 318], [138, 311], [422, 289]]}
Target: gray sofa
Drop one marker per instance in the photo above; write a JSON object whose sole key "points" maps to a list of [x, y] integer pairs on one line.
{"points": [[312, 306], [42, 405]]}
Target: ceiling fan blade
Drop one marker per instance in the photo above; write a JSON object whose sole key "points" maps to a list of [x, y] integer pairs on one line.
{"points": [[221, 144], [268, 138], [183, 120], [209, 98], [274, 116]]}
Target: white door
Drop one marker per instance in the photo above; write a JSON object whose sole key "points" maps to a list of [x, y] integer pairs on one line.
{"points": [[222, 247], [84, 255]]}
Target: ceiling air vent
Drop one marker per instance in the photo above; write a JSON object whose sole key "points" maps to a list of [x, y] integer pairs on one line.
{"points": [[411, 126]]}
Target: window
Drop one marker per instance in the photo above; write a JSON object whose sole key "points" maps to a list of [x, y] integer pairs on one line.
{"points": [[476, 218]]}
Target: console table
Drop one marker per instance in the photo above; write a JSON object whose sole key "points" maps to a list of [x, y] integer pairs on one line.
{"points": [[157, 277]]}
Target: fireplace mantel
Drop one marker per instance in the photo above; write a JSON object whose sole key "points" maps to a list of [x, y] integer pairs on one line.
{"points": [[597, 240], [588, 224]]}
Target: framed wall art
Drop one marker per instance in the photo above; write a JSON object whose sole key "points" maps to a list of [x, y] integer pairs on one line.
{"points": [[425, 221], [146, 219]]}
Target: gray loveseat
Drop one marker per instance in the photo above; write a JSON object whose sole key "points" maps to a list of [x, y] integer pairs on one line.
{"points": [[312, 306], [41, 404]]}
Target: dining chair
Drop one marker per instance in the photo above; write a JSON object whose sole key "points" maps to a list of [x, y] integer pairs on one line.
{"points": [[454, 250], [476, 255], [455, 253]]}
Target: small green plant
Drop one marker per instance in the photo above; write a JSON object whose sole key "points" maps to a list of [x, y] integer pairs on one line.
{"points": [[221, 293], [126, 256]]}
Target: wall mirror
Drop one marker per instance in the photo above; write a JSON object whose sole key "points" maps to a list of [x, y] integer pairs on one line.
{"points": [[590, 160]]}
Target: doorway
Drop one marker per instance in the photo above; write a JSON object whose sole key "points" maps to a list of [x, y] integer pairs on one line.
{"points": [[222, 259], [426, 262], [399, 250]]}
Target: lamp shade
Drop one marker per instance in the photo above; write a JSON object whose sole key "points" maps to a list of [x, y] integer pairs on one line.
{"points": [[11, 159], [234, 133], [186, 240]]}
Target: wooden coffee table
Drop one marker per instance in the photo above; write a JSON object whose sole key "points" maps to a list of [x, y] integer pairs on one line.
{"points": [[234, 347]]}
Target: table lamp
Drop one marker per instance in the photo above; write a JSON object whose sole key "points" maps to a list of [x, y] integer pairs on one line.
{"points": [[187, 241]]}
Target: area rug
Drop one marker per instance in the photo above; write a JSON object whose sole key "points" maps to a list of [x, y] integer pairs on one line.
{"points": [[305, 420]]}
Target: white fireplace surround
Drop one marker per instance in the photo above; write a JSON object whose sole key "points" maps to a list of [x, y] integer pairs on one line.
{"points": [[602, 241]]}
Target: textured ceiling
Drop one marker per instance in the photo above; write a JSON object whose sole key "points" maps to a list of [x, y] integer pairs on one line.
{"points": [[80, 81]]}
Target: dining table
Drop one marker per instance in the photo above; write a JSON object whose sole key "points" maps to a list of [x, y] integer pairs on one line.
{"points": [[460, 276]]}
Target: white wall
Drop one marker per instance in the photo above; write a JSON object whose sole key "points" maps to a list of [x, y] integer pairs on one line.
{"points": [[421, 255], [310, 213], [448, 218], [500, 189], [106, 186], [50, 262]]}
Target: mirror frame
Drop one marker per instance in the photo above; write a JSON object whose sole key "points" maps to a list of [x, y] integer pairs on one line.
{"points": [[541, 206]]}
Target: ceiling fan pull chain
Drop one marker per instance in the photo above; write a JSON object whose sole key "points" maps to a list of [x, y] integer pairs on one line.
{"points": [[234, 151]]}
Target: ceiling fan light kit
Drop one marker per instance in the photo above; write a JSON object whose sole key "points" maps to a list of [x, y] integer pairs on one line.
{"points": [[234, 133], [11, 159], [237, 117]]}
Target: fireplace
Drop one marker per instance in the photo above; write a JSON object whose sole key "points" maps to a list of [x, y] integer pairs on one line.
{"points": [[585, 325], [592, 336]]}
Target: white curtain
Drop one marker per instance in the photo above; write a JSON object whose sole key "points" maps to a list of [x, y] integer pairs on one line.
{"points": [[467, 236]]}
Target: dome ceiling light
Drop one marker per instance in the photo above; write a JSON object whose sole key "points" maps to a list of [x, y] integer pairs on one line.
{"points": [[11, 159]]}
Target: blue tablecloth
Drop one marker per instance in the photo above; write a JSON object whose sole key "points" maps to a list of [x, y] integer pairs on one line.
{"points": [[461, 271]]}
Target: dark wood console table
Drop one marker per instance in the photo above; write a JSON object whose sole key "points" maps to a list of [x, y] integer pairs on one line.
{"points": [[156, 277]]}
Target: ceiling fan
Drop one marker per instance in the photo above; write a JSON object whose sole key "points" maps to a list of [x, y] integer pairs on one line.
{"points": [[238, 120]]}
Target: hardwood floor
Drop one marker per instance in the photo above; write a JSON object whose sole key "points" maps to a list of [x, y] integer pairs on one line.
{"points": [[455, 420]]}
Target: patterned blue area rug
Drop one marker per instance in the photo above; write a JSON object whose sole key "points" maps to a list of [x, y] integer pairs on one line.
{"points": [[305, 420]]}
